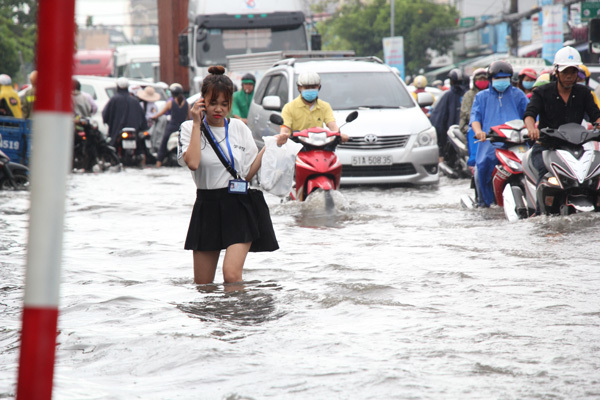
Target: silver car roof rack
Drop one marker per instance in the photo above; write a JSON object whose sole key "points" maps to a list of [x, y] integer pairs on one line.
{"points": [[293, 61]]}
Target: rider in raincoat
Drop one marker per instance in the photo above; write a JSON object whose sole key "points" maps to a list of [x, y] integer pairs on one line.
{"points": [[446, 112], [501, 103]]}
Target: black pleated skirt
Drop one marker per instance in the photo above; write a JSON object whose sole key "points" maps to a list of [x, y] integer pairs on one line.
{"points": [[220, 219]]}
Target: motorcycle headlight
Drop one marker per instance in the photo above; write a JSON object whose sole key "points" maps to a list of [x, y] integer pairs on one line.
{"points": [[427, 137], [512, 164], [319, 139], [553, 181]]}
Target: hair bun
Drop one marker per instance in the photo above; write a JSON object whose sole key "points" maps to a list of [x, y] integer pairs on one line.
{"points": [[216, 70]]}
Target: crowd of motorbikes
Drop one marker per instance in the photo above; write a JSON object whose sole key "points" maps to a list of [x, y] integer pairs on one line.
{"points": [[571, 157], [92, 151]]}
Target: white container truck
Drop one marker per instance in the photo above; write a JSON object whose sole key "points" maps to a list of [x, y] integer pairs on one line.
{"points": [[221, 28], [140, 61]]}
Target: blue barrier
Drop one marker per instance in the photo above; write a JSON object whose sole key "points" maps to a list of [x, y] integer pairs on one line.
{"points": [[16, 139]]}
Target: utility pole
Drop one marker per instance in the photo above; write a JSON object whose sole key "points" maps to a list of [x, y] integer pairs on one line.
{"points": [[392, 17], [172, 20], [514, 29]]}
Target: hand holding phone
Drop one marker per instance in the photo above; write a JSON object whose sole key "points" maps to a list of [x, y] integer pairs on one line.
{"points": [[198, 110]]}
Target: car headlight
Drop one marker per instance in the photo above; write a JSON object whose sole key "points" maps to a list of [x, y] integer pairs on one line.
{"points": [[428, 137]]}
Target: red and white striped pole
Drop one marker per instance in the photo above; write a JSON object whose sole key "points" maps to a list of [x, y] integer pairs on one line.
{"points": [[51, 159]]}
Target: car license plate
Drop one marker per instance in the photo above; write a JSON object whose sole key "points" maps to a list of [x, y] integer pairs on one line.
{"points": [[371, 160], [129, 144]]}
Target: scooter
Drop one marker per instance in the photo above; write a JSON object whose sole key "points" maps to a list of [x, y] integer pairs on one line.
{"points": [[456, 155], [317, 165], [572, 183], [133, 147], [12, 175], [511, 189], [91, 151]]}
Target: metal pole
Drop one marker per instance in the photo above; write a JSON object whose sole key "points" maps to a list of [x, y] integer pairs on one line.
{"points": [[51, 158], [514, 29], [392, 18]]}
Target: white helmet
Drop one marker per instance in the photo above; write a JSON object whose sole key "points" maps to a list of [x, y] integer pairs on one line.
{"points": [[5, 80], [309, 78], [123, 83], [567, 57]]}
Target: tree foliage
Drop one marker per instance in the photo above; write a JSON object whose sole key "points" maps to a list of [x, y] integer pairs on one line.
{"points": [[361, 27], [18, 36]]}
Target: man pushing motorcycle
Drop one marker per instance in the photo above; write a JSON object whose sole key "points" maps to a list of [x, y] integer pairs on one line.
{"points": [[307, 110], [559, 102]]}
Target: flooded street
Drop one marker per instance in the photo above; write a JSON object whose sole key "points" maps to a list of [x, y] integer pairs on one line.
{"points": [[400, 294]]}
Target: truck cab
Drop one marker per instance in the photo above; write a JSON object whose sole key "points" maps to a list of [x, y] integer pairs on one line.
{"points": [[138, 62], [218, 29]]}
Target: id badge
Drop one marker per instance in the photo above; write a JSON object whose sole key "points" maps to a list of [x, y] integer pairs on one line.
{"points": [[238, 186]]}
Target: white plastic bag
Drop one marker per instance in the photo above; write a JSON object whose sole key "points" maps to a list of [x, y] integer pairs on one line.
{"points": [[277, 170]]}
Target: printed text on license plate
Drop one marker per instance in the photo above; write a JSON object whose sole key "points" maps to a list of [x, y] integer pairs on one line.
{"points": [[371, 160], [129, 144]]}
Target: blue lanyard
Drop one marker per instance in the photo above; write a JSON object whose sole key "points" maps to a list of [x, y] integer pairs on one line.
{"points": [[232, 162]]}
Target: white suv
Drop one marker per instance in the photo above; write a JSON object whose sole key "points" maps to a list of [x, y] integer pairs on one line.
{"points": [[391, 141]]}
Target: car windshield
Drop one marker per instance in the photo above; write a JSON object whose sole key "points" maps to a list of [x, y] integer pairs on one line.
{"points": [[220, 43], [351, 90]]}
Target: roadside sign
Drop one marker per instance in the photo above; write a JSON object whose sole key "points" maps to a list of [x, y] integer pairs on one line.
{"points": [[467, 22], [589, 10]]}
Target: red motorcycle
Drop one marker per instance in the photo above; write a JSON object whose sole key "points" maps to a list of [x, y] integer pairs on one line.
{"points": [[511, 189], [317, 165]]}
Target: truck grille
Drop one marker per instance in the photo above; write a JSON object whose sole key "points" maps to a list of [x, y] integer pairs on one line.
{"points": [[379, 170], [381, 142]]}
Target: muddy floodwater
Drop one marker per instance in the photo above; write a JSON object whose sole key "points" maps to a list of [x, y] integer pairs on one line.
{"points": [[397, 293]]}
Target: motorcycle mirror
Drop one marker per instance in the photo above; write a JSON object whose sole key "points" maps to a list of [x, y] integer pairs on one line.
{"points": [[276, 119], [352, 116]]}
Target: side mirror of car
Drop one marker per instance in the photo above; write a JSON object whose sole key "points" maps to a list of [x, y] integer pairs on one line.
{"points": [[272, 103], [276, 119], [425, 99]]}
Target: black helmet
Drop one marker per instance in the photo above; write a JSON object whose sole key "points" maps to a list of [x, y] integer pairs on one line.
{"points": [[455, 75], [499, 69], [248, 77], [176, 89]]}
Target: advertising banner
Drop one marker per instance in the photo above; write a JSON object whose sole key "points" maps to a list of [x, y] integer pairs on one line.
{"points": [[552, 31], [393, 53]]}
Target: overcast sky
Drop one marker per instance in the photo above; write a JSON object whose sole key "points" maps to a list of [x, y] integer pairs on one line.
{"points": [[109, 12], [113, 12], [475, 8]]}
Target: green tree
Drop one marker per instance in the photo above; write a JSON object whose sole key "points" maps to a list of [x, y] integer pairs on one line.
{"points": [[18, 36], [361, 27]]}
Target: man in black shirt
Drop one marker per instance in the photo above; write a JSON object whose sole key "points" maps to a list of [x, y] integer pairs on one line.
{"points": [[559, 102]]}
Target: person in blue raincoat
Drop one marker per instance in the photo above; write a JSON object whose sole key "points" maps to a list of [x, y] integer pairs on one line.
{"points": [[494, 106], [447, 110]]}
